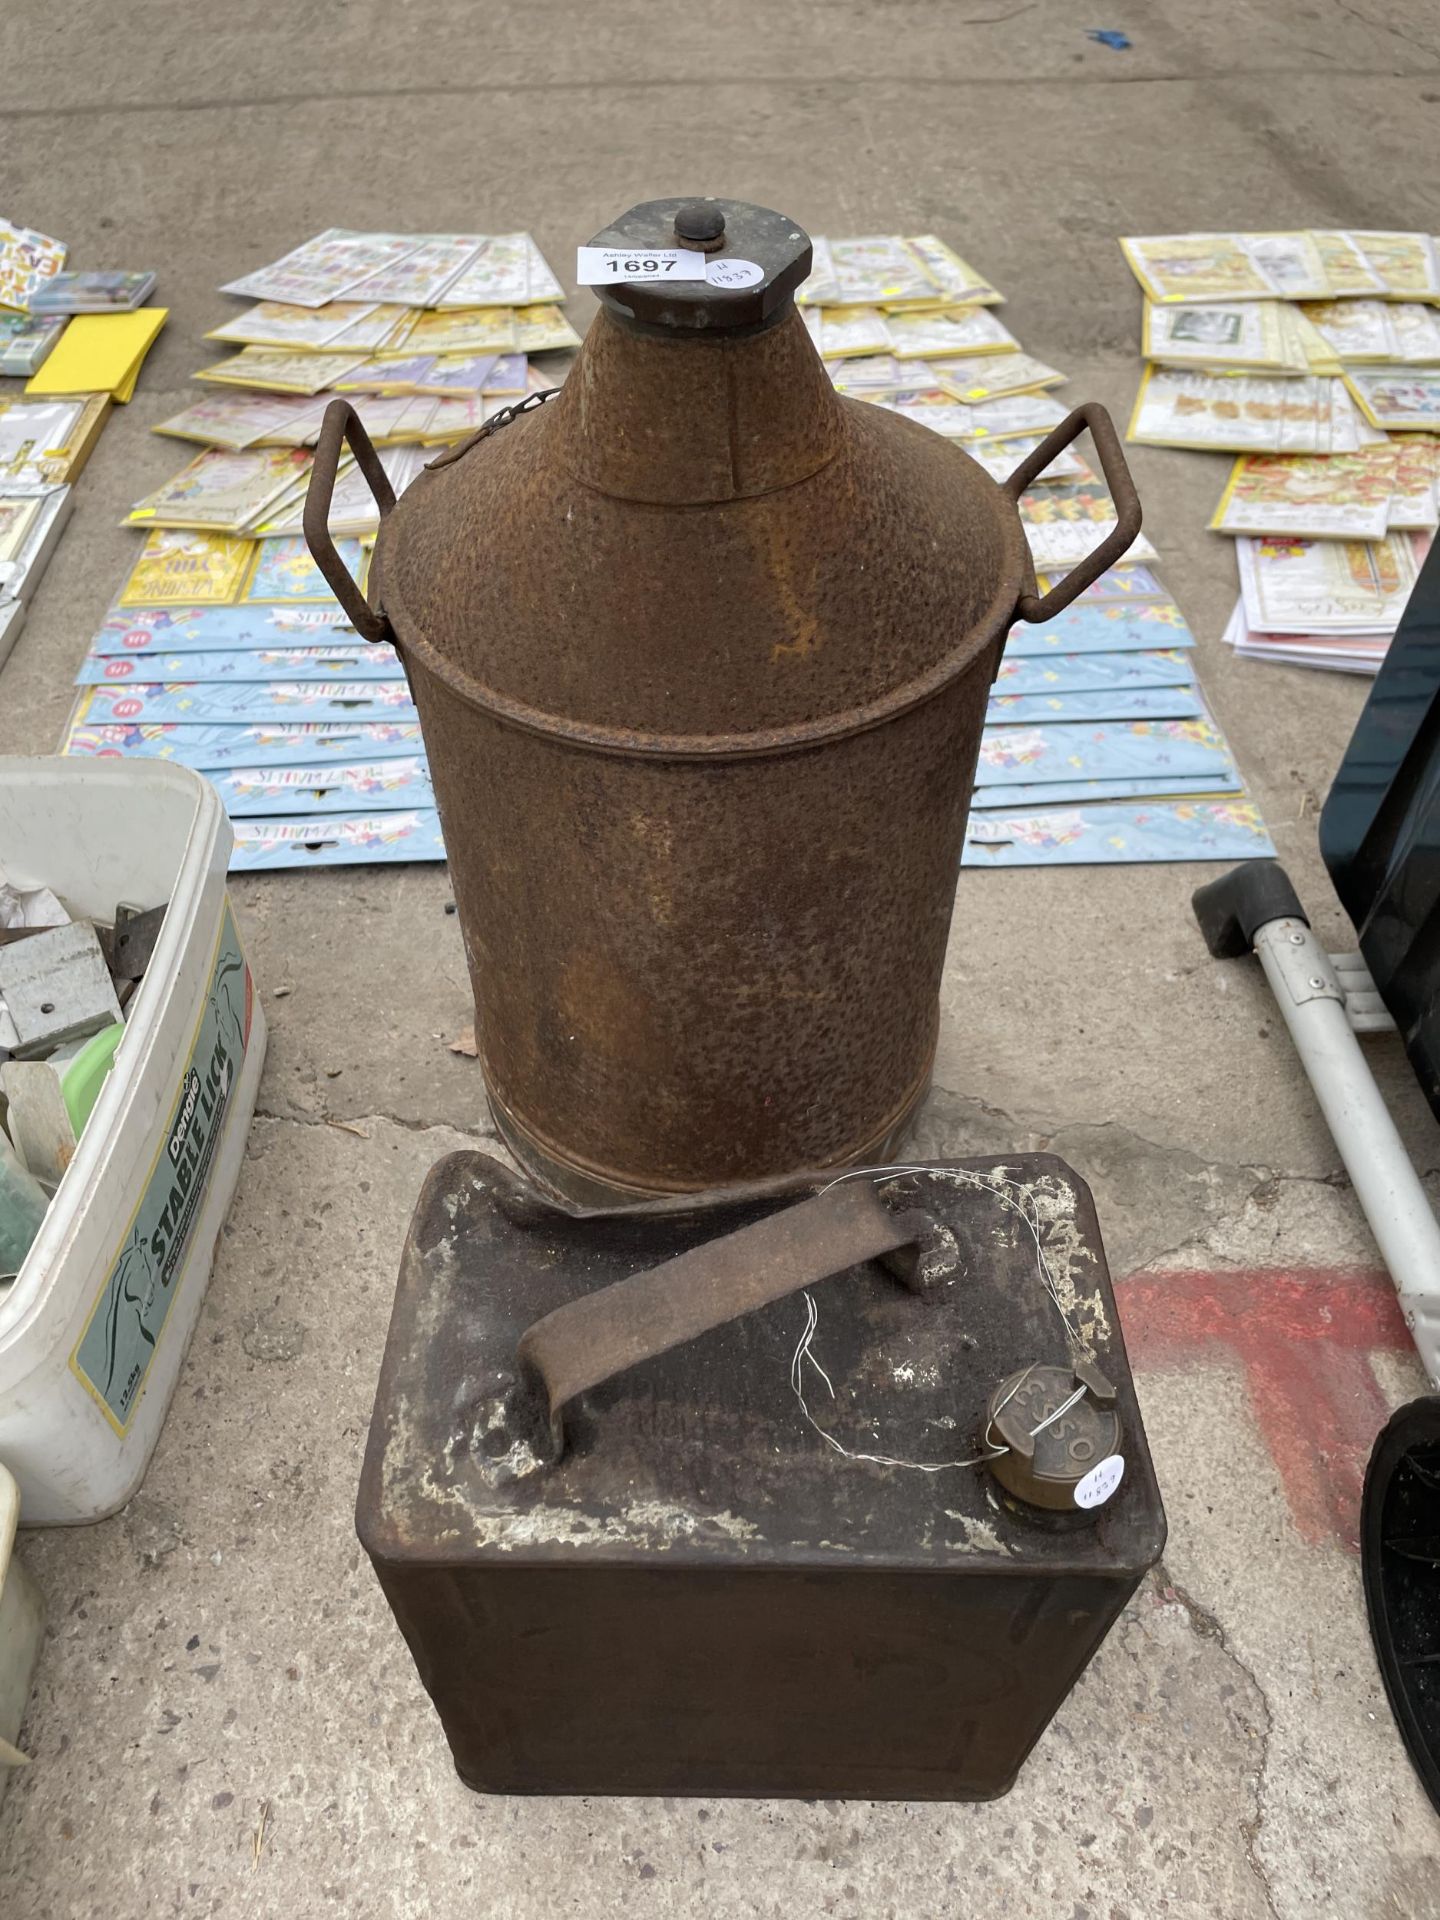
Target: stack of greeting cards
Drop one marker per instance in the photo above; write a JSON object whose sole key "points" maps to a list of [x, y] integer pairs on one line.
{"points": [[427, 335], [1330, 602], [74, 369], [34, 502], [227, 652], [902, 321], [1314, 356], [99, 353], [1098, 745], [43, 446], [225, 649]]}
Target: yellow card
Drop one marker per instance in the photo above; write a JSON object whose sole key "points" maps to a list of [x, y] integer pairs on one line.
{"points": [[100, 353], [1404, 263], [1345, 266], [49, 440], [188, 569], [960, 283], [543, 329], [988, 377], [1183, 268], [1336, 496], [461, 330], [274, 371]]}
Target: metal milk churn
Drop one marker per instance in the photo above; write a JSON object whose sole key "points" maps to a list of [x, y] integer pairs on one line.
{"points": [[701, 653]]}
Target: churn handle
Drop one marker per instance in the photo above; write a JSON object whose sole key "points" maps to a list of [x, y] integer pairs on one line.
{"points": [[341, 424], [1122, 491], [601, 1334]]}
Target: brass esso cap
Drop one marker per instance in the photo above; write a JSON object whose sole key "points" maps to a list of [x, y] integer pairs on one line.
{"points": [[1046, 1457]]}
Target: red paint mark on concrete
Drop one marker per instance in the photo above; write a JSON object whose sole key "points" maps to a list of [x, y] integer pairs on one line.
{"points": [[1304, 1339]]}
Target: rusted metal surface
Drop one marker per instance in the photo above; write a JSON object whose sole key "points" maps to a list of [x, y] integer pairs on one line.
{"points": [[700, 1595], [602, 1334], [340, 427], [701, 653]]}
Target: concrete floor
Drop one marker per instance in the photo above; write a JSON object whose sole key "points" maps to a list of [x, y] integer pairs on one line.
{"points": [[225, 1719]]}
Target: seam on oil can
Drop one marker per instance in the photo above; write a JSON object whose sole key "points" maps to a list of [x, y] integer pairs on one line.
{"points": [[735, 498], [628, 745], [863, 1150], [707, 506], [700, 506]]}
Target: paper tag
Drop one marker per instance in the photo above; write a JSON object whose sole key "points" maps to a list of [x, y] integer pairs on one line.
{"points": [[733, 273], [1098, 1485], [602, 266]]}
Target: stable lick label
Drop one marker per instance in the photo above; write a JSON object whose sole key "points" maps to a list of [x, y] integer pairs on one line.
{"points": [[113, 1355]]}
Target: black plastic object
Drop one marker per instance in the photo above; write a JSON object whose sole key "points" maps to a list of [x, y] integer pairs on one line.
{"points": [[1380, 830], [1231, 908], [767, 253], [696, 1594], [1400, 1559], [700, 220]]}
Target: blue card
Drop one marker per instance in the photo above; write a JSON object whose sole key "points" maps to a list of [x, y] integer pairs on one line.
{"points": [[1094, 672], [337, 841], [1103, 626], [247, 702], [1118, 835], [1080, 792], [284, 571], [1141, 749], [1123, 582], [379, 786], [1125, 703], [209, 747], [128, 630], [350, 659]]}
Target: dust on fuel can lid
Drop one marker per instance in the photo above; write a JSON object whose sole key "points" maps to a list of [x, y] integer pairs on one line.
{"points": [[755, 259]]}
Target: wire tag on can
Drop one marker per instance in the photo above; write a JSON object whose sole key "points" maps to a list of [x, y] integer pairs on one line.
{"points": [[1101, 1481]]}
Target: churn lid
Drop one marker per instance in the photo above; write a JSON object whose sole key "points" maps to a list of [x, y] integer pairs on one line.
{"points": [[754, 260]]}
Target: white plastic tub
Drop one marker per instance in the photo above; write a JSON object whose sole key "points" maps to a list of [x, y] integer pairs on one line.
{"points": [[22, 1617], [93, 1331]]}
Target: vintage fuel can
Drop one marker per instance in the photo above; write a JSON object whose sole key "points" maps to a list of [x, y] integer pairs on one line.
{"points": [[822, 1495], [701, 652]]}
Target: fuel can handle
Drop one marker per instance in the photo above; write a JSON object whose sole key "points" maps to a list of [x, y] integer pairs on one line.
{"points": [[598, 1335], [1035, 608], [342, 426]]}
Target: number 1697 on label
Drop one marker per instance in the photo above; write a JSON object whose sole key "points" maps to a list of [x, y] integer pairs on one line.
{"points": [[599, 266]]}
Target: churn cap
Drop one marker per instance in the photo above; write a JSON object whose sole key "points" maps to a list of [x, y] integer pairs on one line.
{"points": [[755, 258]]}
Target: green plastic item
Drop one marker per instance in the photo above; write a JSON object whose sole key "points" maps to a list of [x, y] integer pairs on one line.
{"points": [[85, 1075]]}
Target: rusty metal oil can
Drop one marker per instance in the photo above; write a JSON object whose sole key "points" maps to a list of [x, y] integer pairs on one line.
{"points": [[701, 652], [828, 1497]]}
